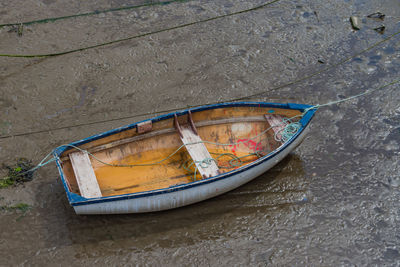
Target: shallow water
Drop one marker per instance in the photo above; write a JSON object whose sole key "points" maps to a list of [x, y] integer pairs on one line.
{"points": [[333, 201]]}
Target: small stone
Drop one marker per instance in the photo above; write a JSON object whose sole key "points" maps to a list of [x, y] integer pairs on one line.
{"points": [[355, 23]]}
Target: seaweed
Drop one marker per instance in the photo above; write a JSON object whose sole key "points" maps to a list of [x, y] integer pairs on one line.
{"points": [[19, 173], [23, 207]]}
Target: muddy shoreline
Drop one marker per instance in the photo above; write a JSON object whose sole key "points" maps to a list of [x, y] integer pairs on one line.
{"points": [[333, 201]]}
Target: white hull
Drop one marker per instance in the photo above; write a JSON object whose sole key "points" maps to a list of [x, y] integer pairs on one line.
{"points": [[179, 198]]}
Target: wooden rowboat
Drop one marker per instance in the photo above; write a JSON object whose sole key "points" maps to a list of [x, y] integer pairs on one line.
{"points": [[179, 158]]}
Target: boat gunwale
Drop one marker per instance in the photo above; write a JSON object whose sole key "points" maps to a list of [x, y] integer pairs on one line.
{"points": [[77, 200]]}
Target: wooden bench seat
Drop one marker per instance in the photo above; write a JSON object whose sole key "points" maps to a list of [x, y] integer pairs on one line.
{"points": [[85, 175], [196, 148]]}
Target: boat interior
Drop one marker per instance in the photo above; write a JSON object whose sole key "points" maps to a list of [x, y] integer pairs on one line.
{"points": [[173, 151]]}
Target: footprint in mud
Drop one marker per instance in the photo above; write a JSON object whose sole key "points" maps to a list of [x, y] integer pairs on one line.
{"points": [[85, 94]]}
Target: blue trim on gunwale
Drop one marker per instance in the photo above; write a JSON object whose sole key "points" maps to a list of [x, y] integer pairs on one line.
{"points": [[76, 200]]}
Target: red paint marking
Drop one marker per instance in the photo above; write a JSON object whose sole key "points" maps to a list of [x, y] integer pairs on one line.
{"points": [[252, 145]]}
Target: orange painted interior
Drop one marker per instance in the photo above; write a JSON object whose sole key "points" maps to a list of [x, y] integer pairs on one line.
{"points": [[123, 180]]}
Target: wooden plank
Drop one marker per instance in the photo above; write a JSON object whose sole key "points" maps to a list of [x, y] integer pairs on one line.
{"points": [[198, 152], [85, 175], [277, 124]]}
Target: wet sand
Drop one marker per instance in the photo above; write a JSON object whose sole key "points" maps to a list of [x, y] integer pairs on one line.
{"points": [[333, 201]]}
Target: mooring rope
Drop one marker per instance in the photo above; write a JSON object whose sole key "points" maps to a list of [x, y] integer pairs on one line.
{"points": [[229, 100], [353, 97], [140, 35], [97, 12], [290, 129]]}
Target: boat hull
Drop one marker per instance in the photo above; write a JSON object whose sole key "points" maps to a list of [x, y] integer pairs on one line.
{"points": [[179, 197]]}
